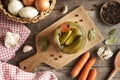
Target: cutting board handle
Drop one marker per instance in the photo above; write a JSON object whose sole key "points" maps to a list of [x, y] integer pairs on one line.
{"points": [[30, 63]]}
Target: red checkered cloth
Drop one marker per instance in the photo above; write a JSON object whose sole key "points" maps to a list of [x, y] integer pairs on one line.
{"points": [[8, 71]]}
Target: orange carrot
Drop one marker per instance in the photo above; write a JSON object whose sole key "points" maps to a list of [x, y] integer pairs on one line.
{"points": [[75, 71], [92, 75], [86, 69], [64, 27]]}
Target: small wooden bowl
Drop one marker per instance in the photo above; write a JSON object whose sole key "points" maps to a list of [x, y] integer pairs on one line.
{"points": [[40, 16], [107, 15]]}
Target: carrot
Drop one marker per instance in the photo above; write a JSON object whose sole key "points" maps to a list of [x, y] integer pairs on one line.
{"points": [[92, 75], [64, 27], [86, 69], [75, 71]]}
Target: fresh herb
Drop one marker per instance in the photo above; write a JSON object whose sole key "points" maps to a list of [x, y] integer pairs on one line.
{"points": [[110, 40], [92, 34], [44, 43], [112, 32]]}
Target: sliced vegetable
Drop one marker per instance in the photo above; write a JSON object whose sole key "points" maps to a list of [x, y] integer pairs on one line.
{"points": [[86, 69], [92, 75], [110, 40], [92, 34], [112, 32], [64, 27], [78, 67], [65, 36]]}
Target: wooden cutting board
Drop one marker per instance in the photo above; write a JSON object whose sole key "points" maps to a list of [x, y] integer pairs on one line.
{"points": [[53, 56]]}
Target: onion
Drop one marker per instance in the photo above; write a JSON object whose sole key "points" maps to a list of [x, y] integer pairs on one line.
{"points": [[28, 2], [42, 5]]}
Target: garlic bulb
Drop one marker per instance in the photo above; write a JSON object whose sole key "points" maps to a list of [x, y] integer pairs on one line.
{"points": [[104, 52], [11, 39], [28, 12], [27, 48], [14, 7]]}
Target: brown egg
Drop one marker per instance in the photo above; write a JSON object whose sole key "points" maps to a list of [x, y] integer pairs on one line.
{"points": [[42, 5], [28, 2]]}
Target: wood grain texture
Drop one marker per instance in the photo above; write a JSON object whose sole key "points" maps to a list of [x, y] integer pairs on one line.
{"points": [[103, 67]]}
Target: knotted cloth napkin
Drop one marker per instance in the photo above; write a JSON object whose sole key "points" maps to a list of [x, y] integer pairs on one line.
{"points": [[8, 71]]}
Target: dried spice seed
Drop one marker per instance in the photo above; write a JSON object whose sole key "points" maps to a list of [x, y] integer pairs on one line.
{"points": [[51, 55], [55, 58], [60, 56], [110, 12], [76, 15], [76, 22], [81, 20]]}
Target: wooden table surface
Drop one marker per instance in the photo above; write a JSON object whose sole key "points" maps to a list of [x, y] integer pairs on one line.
{"points": [[92, 6]]}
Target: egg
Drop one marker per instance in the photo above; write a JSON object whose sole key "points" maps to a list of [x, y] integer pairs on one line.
{"points": [[28, 12], [42, 5], [28, 2], [14, 7]]}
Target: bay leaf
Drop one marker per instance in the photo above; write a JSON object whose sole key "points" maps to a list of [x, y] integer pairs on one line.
{"points": [[110, 40], [112, 32], [44, 43], [92, 34]]}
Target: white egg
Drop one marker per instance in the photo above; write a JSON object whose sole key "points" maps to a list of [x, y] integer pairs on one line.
{"points": [[28, 12], [15, 6]]}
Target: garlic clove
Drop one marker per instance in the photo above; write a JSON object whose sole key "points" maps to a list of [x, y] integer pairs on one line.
{"points": [[108, 55], [11, 39], [100, 50], [64, 9], [27, 48], [104, 53]]}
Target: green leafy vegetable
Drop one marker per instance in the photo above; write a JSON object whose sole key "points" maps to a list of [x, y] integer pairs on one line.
{"points": [[110, 40], [92, 34], [44, 43], [112, 32]]}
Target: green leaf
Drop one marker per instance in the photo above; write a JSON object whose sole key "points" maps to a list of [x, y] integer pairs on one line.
{"points": [[44, 43], [92, 34], [112, 32], [110, 40]]}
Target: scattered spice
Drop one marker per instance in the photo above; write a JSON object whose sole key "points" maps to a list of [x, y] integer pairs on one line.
{"points": [[55, 58], [81, 20], [112, 32], [110, 40], [44, 43], [51, 55], [76, 15], [60, 56], [92, 34]]}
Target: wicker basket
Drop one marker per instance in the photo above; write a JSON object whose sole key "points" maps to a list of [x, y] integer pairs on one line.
{"points": [[40, 16]]}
